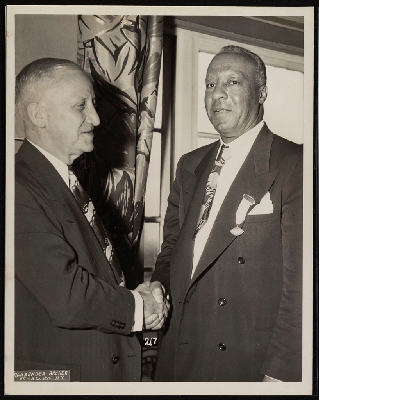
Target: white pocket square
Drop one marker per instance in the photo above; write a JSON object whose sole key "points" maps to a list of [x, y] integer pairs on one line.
{"points": [[264, 207]]}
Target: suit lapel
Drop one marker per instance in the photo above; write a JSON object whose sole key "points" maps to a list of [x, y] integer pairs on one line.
{"points": [[62, 199], [43, 171], [255, 179]]}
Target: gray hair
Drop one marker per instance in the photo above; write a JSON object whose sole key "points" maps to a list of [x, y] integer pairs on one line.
{"points": [[261, 74], [37, 74]]}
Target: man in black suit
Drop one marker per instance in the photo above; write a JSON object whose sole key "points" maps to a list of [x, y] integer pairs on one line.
{"points": [[72, 311], [232, 252]]}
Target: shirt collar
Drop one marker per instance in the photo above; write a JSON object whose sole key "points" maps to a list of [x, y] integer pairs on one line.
{"points": [[241, 146], [60, 167]]}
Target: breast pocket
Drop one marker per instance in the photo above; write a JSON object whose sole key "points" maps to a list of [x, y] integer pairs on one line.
{"points": [[261, 238], [258, 218]]}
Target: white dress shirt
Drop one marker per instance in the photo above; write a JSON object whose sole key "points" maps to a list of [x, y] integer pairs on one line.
{"points": [[62, 169], [239, 149]]}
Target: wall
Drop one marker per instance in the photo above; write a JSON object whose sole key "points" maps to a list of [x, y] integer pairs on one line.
{"points": [[38, 36]]}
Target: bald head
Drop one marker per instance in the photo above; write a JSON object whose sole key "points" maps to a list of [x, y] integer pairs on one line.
{"points": [[35, 78], [256, 61]]}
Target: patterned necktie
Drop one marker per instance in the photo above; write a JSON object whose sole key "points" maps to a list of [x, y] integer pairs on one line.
{"points": [[94, 220], [211, 187]]}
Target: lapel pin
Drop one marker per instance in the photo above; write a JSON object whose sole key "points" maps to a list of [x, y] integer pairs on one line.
{"points": [[237, 231], [245, 204]]}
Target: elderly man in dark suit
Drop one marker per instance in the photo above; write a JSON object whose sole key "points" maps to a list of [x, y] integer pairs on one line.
{"points": [[72, 311], [232, 252]]}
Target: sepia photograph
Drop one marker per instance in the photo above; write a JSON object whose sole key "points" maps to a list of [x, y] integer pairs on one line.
{"points": [[159, 224]]}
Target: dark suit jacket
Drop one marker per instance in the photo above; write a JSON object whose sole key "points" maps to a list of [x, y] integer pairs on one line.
{"points": [[239, 317], [70, 312]]}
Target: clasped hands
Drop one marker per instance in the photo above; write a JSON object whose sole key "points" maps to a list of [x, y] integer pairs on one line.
{"points": [[155, 303]]}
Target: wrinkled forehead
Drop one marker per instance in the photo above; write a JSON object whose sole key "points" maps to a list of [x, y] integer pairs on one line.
{"points": [[235, 62], [70, 77], [69, 82]]}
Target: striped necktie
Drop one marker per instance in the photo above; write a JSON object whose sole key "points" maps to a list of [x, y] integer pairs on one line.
{"points": [[94, 220], [211, 187]]}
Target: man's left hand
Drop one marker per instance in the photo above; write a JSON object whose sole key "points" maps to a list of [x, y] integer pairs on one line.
{"points": [[154, 321]]}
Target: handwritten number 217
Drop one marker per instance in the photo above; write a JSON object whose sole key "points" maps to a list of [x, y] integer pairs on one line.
{"points": [[150, 341]]}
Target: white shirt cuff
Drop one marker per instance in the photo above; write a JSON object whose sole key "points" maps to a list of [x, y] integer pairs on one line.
{"points": [[138, 323]]}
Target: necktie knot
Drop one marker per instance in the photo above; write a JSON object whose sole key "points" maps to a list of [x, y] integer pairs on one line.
{"points": [[224, 155]]}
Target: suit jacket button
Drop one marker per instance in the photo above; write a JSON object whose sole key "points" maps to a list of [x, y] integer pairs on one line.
{"points": [[222, 347], [222, 301], [241, 260], [115, 359]]}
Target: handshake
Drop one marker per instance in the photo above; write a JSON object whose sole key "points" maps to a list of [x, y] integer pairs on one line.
{"points": [[155, 304]]}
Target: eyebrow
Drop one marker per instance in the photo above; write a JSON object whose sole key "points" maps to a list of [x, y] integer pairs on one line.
{"points": [[238, 73], [82, 97], [230, 74]]}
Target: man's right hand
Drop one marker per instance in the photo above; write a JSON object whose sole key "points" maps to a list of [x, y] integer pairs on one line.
{"points": [[151, 306], [158, 291]]}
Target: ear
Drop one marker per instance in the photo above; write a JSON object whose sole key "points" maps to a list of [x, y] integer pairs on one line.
{"points": [[263, 94], [36, 114]]}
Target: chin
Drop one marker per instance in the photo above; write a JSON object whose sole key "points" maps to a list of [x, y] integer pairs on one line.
{"points": [[87, 148], [222, 128], [226, 133]]}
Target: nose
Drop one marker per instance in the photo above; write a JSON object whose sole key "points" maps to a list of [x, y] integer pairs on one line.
{"points": [[92, 116], [219, 92]]}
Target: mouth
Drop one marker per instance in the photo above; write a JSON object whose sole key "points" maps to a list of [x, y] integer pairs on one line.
{"points": [[88, 133], [221, 111]]}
